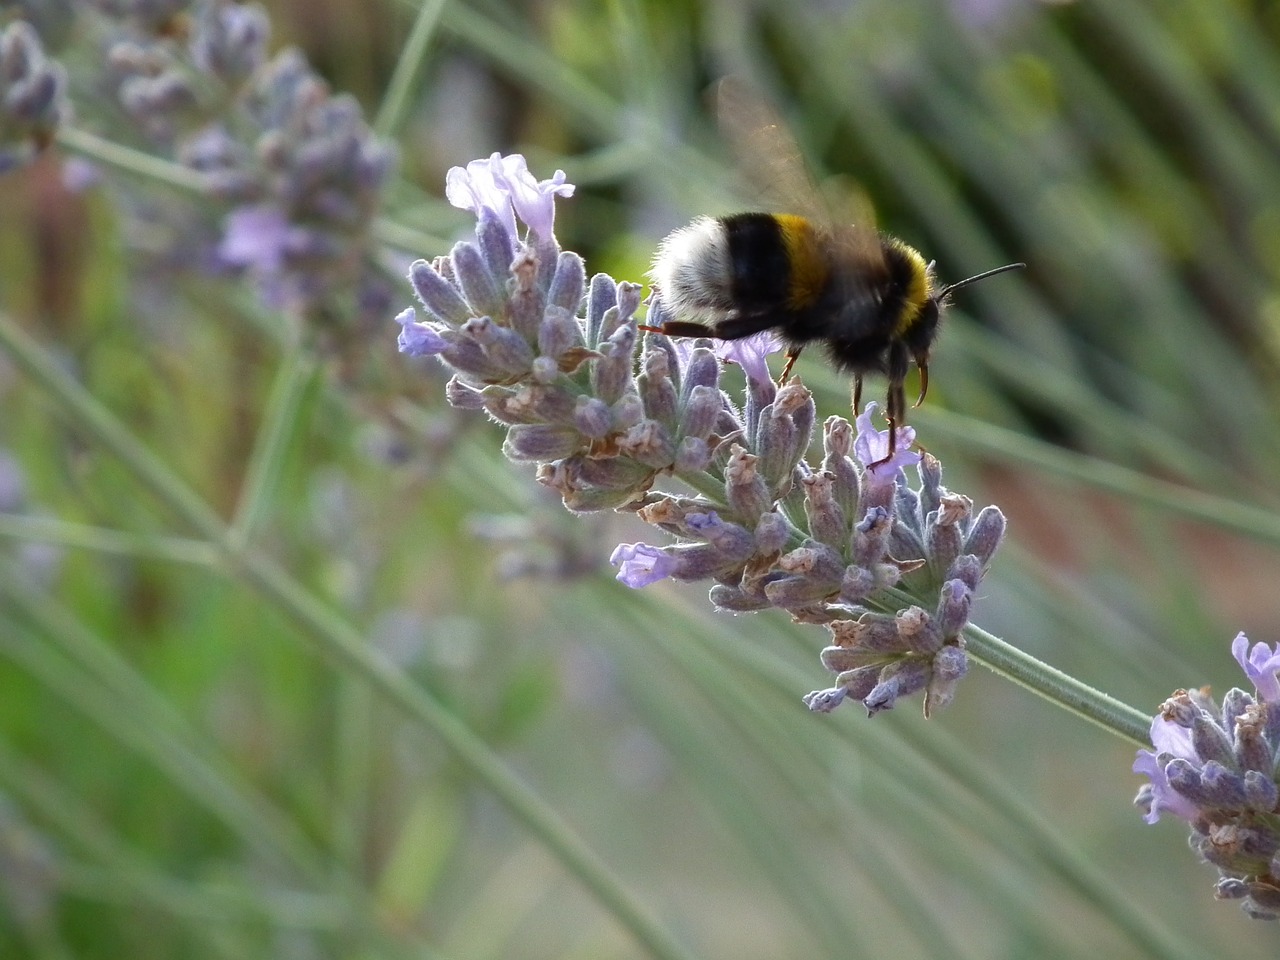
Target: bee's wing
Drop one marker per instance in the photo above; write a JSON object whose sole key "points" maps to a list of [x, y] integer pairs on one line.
{"points": [[777, 176]]}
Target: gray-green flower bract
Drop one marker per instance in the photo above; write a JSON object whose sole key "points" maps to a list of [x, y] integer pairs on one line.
{"points": [[608, 417], [1215, 766]]}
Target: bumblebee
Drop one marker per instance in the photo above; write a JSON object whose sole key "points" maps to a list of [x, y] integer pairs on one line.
{"points": [[870, 299]]}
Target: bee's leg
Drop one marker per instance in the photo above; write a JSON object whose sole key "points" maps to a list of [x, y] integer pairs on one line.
{"points": [[896, 402], [678, 328], [857, 393], [792, 354], [924, 380]]}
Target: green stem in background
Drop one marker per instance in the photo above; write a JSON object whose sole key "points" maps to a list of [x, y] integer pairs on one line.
{"points": [[343, 644], [1242, 518], [280, 426], [101, 540], [1057, 687], [404, 78]]}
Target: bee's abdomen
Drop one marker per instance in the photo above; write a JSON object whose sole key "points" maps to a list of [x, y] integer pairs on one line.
{"points": [[758, 255]]}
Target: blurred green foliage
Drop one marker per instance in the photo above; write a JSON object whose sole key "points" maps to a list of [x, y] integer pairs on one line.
{"points": [[182, 777]]}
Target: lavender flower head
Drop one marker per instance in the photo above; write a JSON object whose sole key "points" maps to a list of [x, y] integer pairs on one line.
{"points": [[1215, 767], [33, 96], [610, 419]]}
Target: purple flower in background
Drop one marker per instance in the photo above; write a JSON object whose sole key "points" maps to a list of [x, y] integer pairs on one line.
{"points": [[504, 186], [256, 237], [640, 564], [1214, 766]]}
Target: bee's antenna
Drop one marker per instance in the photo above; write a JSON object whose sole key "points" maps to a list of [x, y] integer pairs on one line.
{"points": [[982, 276]]}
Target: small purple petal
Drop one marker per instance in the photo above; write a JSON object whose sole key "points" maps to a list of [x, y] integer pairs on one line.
{"points": [[872, 446], [505, 186], [417, 339], [1163, 796], [750, 353], [534, 200], [639, 564], [1260, 664]]}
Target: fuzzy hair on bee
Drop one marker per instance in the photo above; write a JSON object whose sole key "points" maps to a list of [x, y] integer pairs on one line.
{"points": [[870, 299]]}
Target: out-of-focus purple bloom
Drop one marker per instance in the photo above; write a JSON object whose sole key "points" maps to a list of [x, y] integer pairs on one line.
{"points": [[257, 237], [640, 564], [872, 446], [33, 96], [1261, 664], [504, 186], [417, 339]]}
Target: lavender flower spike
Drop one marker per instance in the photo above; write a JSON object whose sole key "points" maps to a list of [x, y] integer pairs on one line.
{"points": [[1214, 766], [552, 357]]}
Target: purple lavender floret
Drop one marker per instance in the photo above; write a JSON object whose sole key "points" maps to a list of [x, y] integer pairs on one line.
{"points": [[844, 543]]}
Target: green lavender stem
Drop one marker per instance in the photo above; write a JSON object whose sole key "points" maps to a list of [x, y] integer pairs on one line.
{"points": [[342, 643]]}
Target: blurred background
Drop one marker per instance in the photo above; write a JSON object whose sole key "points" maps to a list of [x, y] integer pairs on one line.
{"points": [[183, 773]]}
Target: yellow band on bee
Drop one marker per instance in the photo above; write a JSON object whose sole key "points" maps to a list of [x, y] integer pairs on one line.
{"points": [[917, 293], [804, 254]]}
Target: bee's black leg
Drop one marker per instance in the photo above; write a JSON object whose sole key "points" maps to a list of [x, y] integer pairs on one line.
{"points": [[896, 402], [924, 380], [792, 354], [857, 394]]}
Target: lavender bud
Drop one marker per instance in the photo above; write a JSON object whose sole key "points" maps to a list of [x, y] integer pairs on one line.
{"points": [[826, 520], [824, 701], [857, 584], [497, 246], [985, 535], [949, 667], [627, 412], [744, 487], [917, 631], [1211, 741], [506, 348], [439, 296], [837, 441], [772, 533], [1260, 791], [692, 455], [479, 286], [526, 303], [870, 537], [736, 600], [899, 679], [701, 411], [658, 392], [540, 442], [463, 397], [558, 332], [628, 301], [930, 472], [702, 370], [953, 608], [592, 417], [650, 443], [601, 297], [775, 442], [568, 283], [966, 569], [813, 572], [544, 370]]}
